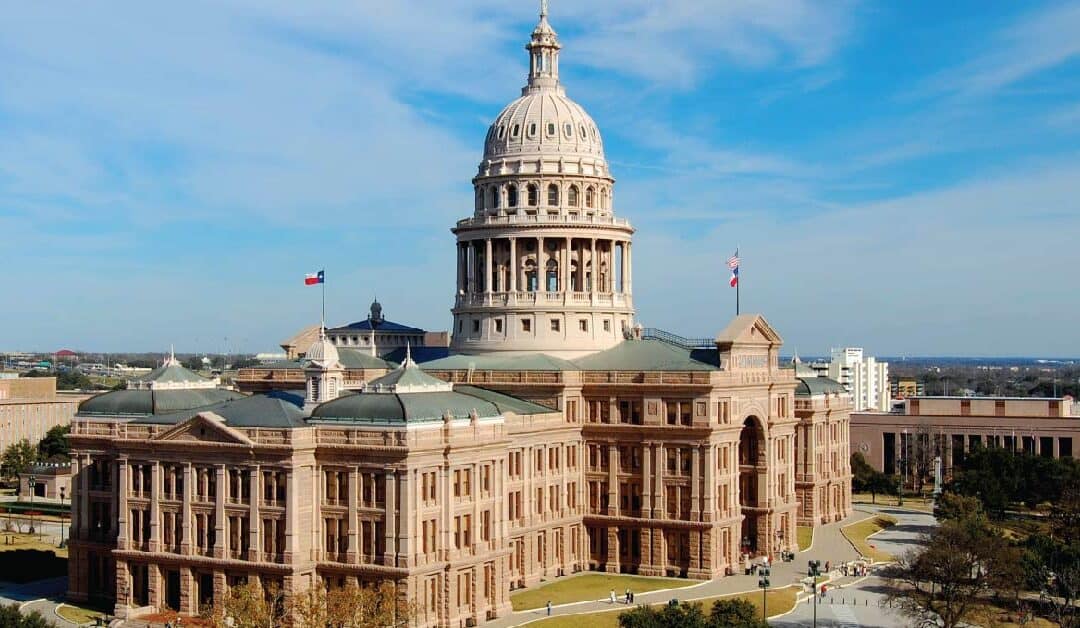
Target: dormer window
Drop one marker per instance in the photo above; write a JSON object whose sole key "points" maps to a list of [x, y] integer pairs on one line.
{"points": [[551, 129], [532, 130], [516, 131], [502, 131], [568, 130]]}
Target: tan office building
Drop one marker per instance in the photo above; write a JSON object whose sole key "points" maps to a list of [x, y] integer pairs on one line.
{"points": [[31, 406], [952, 426], [559, 436]]}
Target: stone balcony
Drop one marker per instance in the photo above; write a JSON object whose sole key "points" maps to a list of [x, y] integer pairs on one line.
{"points": [[528, 299], [532, 217]]}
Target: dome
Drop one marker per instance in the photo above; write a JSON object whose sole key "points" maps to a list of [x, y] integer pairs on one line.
{"points": [[543, 121], [322, 351]]}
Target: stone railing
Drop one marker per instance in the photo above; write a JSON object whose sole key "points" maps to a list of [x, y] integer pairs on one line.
{"points": [[502, 299], [542, 218]]}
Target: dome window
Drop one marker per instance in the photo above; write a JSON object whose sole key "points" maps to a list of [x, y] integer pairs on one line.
{"points": [[494, 197], [534, 195], [532, 130], [572, 196], [569, 131], [553, 195], [584, 133], [511, 196], [551, 129], [589, 195], [515, 131], [502, 131]]}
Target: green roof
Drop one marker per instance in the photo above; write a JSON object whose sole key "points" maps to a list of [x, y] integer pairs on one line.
{"points": [[150, 402], [172, 374], [504, 402], [357, 359], [526, 362], [391, 408], [272, 410], [650, 355], [810, 386]]}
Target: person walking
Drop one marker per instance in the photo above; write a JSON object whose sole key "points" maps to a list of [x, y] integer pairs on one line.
{"points": [[549, 608], [631, 597], [628, 596], [613, 596]]}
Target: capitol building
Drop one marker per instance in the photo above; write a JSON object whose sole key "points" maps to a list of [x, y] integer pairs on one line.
{"points": [[558, 436]]}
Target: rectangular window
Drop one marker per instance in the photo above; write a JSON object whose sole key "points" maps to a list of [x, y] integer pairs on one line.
{"points": [[526, 324], [583, 324], [554, 324], [476, 326], [607, 325], [498, 325]]}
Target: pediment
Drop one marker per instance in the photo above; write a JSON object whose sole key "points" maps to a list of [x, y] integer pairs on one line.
{"points": [[749, 329], [205, 427]]}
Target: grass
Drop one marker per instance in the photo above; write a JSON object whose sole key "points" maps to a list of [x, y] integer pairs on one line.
{"points": [[912, 503], [805, 537], [79, 615], [857, 533], [778, 601], [591, 586], [28, 542], [991, 616]]}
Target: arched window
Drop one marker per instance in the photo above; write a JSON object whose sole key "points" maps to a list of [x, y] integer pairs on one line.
{"points": [[511, 196], [531, 283], [603, 198], [479, 198], [553, 195], [552, 276], [495, 197], [534, 195], [572, 196], [589, 196]]}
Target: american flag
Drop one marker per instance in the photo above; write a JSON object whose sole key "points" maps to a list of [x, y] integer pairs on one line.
{"points": [[733, 264]]}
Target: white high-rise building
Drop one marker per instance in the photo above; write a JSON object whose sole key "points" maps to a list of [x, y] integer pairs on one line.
{"points": [[864, 377]]}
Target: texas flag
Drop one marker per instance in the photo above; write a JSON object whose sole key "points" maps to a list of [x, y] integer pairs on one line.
{"points": [[311, 280], [733, 264]]}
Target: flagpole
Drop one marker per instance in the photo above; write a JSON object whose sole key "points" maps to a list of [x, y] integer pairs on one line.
{"points": [[738, 284], [324, 300]]}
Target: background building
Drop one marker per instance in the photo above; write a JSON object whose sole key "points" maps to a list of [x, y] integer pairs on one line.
{"points": [[864, 377], [30, 406], [925, 427]]}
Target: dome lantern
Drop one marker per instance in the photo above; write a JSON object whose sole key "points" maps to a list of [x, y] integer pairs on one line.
{"points": [[543, 50]]}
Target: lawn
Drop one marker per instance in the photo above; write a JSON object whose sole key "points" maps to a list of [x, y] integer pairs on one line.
{"points": [[12, 541], [997, 617], [778, 601], [805, 536], [857, 533], [78, 615], [913, 503], [591, 586]]}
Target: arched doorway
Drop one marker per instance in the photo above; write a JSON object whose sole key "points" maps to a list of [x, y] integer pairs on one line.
{"points": [[753, 483]]}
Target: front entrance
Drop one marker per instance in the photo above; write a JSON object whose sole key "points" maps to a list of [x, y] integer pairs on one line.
{"points": [[172, 589], [753, 480]]}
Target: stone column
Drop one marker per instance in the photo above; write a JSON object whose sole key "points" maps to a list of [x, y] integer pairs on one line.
{"points": [[695, 484], [185, 514], [708, 507], [219, 511], [646, 475], [123, 485], [292, 511], [629, 268], [404, 522], [659, 501], [613, 480], [513, 265], [594, 268], [487, 266], [391, 519], [622, 266], [566, 283], [155, 506], [253, 513], [354, 516], [84, 496]]}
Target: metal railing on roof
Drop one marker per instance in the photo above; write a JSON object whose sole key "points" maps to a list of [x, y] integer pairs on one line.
{"points": [[652, 333]]}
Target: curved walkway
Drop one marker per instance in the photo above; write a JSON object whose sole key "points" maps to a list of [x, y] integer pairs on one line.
{"points": [[40, 596], [829, 545]]}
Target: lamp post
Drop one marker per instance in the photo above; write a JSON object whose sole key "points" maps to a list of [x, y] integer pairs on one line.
{"points": [[763, 582], [815, 571], [63, 489], [31, 482]]}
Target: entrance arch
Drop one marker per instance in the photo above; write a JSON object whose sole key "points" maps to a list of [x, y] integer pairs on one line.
{"points": [[753, 484]]}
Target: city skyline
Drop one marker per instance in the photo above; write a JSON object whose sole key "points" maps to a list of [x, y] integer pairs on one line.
{"points": [[894, 182]]}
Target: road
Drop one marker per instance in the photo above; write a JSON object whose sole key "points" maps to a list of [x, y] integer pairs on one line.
{"points": [[862, 602]]}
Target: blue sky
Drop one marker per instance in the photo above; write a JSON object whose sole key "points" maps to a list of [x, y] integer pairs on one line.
{"points": [[903, 176]]}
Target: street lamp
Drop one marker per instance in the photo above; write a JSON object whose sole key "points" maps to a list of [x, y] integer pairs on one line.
{"points": [[763, 582], [63, 489], [31, 482], [815, 571]]}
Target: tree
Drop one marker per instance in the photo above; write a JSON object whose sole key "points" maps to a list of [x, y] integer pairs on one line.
{"points": [[674, 615], [861, 473], [1052, 561], [18, 457], [55, 442], [961, 561], [952, 506], [736, 612], [250, 606], [12, 617]]}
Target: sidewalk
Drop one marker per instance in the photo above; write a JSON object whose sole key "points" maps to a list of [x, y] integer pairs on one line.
{"points": [[829, 545]]}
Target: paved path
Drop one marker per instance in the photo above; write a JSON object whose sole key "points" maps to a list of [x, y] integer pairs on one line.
{"points": [[42, 596], [829, 545], [858, 602]]}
